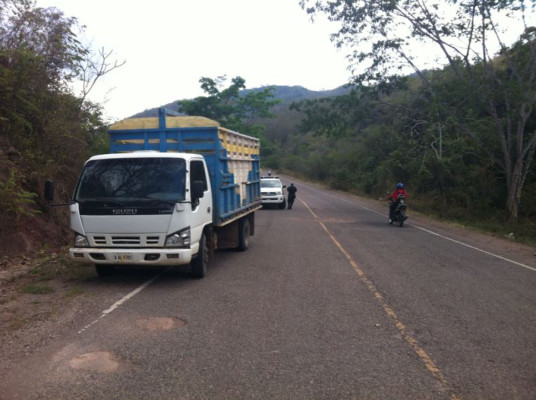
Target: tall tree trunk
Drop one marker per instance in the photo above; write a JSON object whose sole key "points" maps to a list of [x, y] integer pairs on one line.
{"points": [[514, 188]]}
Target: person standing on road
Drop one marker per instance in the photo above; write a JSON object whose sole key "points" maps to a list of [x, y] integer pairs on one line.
{"points": [[291, 195]]}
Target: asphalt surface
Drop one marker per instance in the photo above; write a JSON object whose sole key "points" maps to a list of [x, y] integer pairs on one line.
{"points": [[329, 302]]}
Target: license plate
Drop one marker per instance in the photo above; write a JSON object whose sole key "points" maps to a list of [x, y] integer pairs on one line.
{"points": [[123, 258]]}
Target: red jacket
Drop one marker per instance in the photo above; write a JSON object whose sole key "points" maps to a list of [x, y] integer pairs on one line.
{"points": [[394, 195]]}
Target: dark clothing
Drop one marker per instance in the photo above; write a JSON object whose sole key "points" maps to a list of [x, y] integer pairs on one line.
{"points": [[291, 195], [392, 208]]}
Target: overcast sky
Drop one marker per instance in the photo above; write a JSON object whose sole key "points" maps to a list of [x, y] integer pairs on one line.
{"points": [[168, 45]]}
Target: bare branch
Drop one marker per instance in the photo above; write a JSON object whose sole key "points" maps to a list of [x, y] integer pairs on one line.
{"points": [[95, 67]]}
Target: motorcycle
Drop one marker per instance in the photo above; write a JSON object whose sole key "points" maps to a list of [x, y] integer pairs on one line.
{"points": [[399, 213]]}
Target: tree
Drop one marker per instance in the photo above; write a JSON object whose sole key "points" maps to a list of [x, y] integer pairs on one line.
{"points": [[232, 108], [49, 37], [46, 34], [383, 35], [93, 67], [46, 130]]}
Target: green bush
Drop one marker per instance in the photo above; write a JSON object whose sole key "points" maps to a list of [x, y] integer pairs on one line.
{"points": [[14, 199]]}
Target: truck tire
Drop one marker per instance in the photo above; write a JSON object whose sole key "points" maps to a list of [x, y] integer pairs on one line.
{"points": [[200, 263], [282, 205], [104, 270], [243, 234]]}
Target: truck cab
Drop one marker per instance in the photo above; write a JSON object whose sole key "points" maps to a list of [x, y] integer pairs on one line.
{"points": [[140, 208]]}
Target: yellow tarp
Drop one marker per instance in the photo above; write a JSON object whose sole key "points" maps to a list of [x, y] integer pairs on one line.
{"points": [[171, 122]]}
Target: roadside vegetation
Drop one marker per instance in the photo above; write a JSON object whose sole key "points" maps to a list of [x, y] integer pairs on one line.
{"points": [[461, 137], [47, 130]]}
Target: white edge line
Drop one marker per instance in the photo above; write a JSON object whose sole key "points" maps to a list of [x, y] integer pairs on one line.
{"points": [[474, 248], [432, 232], [122, 300]]}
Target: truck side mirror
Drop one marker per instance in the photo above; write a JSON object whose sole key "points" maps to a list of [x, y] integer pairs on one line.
{"points": [[198, 190], [49, 191]]}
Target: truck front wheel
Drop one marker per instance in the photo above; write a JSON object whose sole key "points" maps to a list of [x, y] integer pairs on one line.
{"points": [[200, 263]]}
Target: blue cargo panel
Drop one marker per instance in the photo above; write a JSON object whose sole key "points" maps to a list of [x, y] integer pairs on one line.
{"points": [[232, 158]]}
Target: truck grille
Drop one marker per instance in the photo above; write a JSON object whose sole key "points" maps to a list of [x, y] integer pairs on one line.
{"points": [[127, 240]]}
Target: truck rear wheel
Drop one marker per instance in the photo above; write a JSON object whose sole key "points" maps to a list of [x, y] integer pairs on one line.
{"points": [[243, 234], [200, 263]]}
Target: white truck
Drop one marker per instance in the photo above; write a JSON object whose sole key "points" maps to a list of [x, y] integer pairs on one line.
{"points": [[172, 190]]}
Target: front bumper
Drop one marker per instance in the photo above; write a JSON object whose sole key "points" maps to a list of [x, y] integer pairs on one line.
{"points": [[146, 256], [273, 199]]}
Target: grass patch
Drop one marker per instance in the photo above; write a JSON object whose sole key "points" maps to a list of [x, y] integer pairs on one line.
{"points": [[73, 292], [37, 289], [61, 266], [524, 231], [43, 274], [79, 273]]}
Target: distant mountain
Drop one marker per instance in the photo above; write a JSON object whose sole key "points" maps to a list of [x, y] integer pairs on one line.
{"points": [[297, 93], [287, 95]]}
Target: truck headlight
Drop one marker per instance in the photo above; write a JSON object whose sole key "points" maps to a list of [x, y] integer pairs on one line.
{"points": [[80, 241], [179, 239]]}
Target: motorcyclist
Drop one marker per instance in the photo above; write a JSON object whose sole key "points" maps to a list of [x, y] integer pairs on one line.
{"points": [[393, 199]]}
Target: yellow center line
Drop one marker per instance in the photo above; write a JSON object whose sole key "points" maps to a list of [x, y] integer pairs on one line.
{"points": [[421, 353]]}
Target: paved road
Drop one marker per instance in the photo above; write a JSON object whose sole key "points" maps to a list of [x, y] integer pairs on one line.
{"points": [[329, 302]]}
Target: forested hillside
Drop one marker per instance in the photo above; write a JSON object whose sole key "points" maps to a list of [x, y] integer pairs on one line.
{"points": [[46, 130], [285, 94], [461, 136], [363, 144]]}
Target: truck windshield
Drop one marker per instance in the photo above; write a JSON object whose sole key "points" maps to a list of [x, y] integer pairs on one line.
{"points": [[132, 181]]}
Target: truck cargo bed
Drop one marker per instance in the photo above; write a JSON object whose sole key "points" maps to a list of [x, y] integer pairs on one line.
{"points": [[232, 158]]}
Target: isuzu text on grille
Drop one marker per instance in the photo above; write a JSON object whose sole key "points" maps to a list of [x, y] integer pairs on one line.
{"points": [[125, 211]]}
